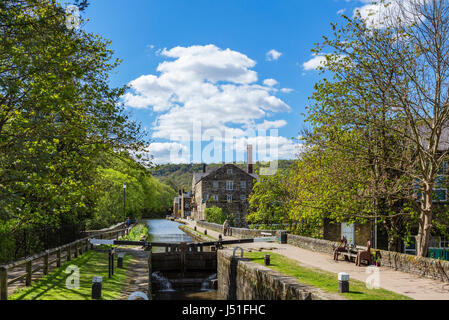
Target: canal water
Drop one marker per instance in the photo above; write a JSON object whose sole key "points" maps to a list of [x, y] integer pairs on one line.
{"points": [[162, 230]]}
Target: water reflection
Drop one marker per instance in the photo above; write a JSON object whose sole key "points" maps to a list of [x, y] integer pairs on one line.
{"points": [[167, 231]]}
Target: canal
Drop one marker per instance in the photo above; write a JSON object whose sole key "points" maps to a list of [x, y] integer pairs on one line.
{"points": [[172, 286]]}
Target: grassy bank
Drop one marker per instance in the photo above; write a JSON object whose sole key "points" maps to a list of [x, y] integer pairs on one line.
{"points": [[136, 233], [326, 281], [90, 264]]}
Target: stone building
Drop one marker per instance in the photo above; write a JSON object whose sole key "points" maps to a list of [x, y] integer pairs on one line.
{"points": [[182, 205], [176, 207], [227, 187], [186, 205]]}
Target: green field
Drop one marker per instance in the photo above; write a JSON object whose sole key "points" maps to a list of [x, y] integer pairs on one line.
{"points": [[53, 286], [326, 281]]}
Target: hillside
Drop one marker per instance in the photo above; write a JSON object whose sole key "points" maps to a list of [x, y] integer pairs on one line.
{"points": [[179, 176]]}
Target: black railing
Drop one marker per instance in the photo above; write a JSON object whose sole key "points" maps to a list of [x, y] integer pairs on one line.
{"points": [[31, 240]]}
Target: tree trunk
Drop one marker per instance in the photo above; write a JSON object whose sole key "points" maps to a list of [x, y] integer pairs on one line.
{"points": [[425, 225]]}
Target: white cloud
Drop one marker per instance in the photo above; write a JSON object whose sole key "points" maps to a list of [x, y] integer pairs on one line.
{"points": [[208, 88], [379, 15], [273, 55], [270, 82], [286, 90], [167, 152], [341, 11], [314, 63]]}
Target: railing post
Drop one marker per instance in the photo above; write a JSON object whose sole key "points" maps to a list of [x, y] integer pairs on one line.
{"points": [[69, 252], [3, 283], [58, 258], [150, 272], [45, 269], [76, 250], [29, 273]]}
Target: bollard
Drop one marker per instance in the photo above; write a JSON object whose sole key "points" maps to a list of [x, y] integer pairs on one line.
{"points": [[220, 237], [205, 231], [96, 287], [194, 228], [120, 260], [267, 259], [343, 282]]}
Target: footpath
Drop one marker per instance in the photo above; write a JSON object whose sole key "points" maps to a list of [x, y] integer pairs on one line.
{"points": [[407, 284]]}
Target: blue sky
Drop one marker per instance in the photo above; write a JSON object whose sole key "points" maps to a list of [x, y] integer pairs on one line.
{"points": [[207, 61]]}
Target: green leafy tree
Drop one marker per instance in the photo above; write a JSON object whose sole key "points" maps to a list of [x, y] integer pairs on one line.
{"points": [[270, 201], [386, 89], [217, 215]]}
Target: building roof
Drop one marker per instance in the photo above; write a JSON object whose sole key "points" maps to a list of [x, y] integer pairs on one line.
{"points": [[198, 176]]}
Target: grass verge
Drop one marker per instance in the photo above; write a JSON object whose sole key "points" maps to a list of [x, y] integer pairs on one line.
{"points": [[326, 281], [91, 263], [139, 230]]}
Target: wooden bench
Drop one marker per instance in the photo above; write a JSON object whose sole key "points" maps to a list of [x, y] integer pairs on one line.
{"points": [[351, 253]]}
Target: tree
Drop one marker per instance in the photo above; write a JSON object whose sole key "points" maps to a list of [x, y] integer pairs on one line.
{"points": [[58, 116], [390, 79], [269, 201], [216, 215]]}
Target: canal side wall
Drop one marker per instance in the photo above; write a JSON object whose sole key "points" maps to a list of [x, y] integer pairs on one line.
{"points": [[195, 236], [241, 233], [241, 279]]}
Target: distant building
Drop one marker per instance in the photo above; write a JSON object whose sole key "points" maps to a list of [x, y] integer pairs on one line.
{"points": [[186, 205], [176, 207], [227, 187], [182, 205]]}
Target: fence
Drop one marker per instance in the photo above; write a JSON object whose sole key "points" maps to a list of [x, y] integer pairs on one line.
{"points": [[42, 260], [31, 240]]}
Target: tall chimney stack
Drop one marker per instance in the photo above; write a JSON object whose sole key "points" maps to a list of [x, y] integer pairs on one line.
{"points": [[249, 157], [204, 168]]}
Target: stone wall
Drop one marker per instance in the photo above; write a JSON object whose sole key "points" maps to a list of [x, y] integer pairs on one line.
{"points": [[424, 267], [241, 233], [312, 244], [241, 279]]}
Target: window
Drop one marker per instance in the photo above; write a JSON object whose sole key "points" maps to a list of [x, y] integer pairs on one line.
{"points": [[229, 198], [440, 195], [215, 184], [187, 205], [242, 197], [206, 196], [230, 172], [444, 168], [215, 197], [229, 185], [242, 184]]}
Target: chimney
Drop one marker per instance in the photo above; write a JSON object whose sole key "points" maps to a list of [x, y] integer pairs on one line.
{"points": [[204, 168], [249, 161]]}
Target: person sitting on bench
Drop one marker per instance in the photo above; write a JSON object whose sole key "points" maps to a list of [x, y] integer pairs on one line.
{"points": [[364, 255], [341, 248]]}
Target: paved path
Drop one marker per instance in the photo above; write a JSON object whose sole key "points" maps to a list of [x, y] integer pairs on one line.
{"points": [[407, 284], [137, 273]]}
